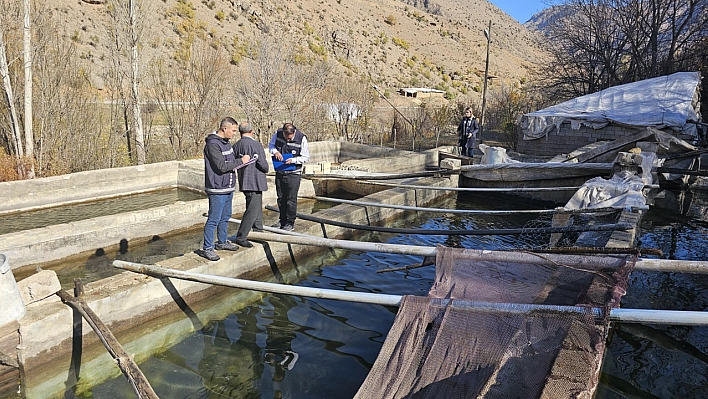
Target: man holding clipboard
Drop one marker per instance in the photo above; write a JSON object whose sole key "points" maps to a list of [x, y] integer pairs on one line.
{"points": [[290, 151]]}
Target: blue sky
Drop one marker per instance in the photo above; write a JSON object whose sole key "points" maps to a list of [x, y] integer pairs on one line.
{"points": [[521, 10]]}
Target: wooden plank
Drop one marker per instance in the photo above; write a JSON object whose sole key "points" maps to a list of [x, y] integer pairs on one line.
{"points": [[125, 362], [611, 146], [519, 172]]}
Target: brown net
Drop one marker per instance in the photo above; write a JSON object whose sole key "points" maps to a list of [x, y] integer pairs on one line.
{"points": [[480, 333]]}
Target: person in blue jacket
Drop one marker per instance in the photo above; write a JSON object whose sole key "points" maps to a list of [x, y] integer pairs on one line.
{"points": [[220, 164], [288, 145]]}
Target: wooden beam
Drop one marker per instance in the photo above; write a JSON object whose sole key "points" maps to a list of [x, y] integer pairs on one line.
{"points": [[125, 362]]}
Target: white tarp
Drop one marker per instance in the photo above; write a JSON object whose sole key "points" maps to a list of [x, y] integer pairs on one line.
{"points": [[667, 101], [624, 189]]}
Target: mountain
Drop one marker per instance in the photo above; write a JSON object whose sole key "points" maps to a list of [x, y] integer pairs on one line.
{"points": [[398, 43], [539, 21]]}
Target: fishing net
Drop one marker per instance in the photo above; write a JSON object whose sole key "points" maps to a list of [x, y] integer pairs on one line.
{"points": [[533, 239], [498, 325]]}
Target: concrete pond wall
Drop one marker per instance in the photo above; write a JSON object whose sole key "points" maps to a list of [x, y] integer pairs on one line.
{"points": [[128, 303]]}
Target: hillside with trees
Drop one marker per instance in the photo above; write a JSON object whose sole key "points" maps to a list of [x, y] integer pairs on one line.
{"points": [[123, 82]]}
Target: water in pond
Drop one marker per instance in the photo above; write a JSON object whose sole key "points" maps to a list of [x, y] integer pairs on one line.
{"points": [[295, 347], [98, 264], [655, 361], [15, 222]]}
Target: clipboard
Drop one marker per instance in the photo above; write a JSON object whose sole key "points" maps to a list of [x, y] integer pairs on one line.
{"points": [[281, 166]]}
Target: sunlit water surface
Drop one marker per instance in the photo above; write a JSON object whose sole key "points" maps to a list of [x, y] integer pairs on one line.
{"points": [[295, 347]]}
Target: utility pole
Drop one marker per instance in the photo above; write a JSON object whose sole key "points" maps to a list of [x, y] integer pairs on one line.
{"points": [[488, 35]]}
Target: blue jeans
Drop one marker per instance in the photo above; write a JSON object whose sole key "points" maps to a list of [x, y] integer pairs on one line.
{"points": [[217, 219]]}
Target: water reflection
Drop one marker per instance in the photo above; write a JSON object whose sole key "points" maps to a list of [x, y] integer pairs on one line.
{"points": [[294, 347], [15, 222], [656, 361]]}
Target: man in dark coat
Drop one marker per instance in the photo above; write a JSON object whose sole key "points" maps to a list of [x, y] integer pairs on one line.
{"points": [[251, 182], [467, 133], [219, 184]]}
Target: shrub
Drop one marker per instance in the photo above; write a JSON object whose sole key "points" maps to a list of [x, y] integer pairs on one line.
{"points": [[391, 20], [401, 43]]}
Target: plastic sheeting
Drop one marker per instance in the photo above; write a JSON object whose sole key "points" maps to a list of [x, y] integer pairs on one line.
{"points": [[624, 189], [494, 155], [664, 102]]}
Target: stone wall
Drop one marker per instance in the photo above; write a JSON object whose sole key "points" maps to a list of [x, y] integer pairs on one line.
{"points": [[566, 140]]}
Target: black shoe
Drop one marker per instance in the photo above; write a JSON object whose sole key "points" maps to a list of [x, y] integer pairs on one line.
{"points": [[257, 230], [243, 243], [288, 227], [277, 226]]}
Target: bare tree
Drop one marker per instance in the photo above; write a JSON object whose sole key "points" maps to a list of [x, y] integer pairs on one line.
{"points": [[129, 20], [192, 95], [443, 119], [27, 55], [597, 44], [16, 145], [262, 85], [348, 103]]}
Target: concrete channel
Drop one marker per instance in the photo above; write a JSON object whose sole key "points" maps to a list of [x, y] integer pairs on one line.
{"points": [[146, 308]]}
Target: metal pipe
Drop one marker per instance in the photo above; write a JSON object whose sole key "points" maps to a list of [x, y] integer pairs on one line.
{"points": [[361, 297], [466, 232], [415, 208], [672, 317], [672, 266], [483, 189], [364, 246], [472, 189]]}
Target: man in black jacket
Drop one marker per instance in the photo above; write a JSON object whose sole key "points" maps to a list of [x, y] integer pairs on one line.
{"points": [[219, 184], [467, 133], [251, 182]]}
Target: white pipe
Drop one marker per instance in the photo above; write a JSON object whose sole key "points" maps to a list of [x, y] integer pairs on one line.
{"points": [[670, 265], [650, 265], [346, 244], [361, 297], [672, 317], [650, 316]]}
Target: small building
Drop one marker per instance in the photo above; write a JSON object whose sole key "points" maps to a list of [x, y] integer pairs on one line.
{"points": [[668, 103], [421, 92]]}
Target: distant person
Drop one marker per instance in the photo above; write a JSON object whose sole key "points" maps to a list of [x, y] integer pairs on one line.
{"points": [[289, 147], [467, 133], [220, 164], [251, 182]]}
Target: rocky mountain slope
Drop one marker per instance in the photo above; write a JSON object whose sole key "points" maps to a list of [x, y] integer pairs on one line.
{"points": [[398, 43]]}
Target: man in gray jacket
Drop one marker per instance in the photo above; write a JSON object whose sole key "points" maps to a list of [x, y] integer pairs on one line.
{"points": [[251, 182]]}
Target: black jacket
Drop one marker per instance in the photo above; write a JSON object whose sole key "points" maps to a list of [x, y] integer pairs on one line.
{"points": [[219, 165]]}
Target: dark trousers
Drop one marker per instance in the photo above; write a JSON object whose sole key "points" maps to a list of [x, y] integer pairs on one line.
{"points": [[287, 185], [253, 217]]}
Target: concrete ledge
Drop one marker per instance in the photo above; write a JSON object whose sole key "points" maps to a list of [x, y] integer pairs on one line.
{"points": [[38, 286], [23, 195]]}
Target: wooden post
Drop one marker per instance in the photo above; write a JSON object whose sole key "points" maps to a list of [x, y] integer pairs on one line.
{"points": [[125, 362]]}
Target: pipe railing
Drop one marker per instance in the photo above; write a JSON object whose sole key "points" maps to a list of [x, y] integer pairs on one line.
{"points": [[672, 317]]}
